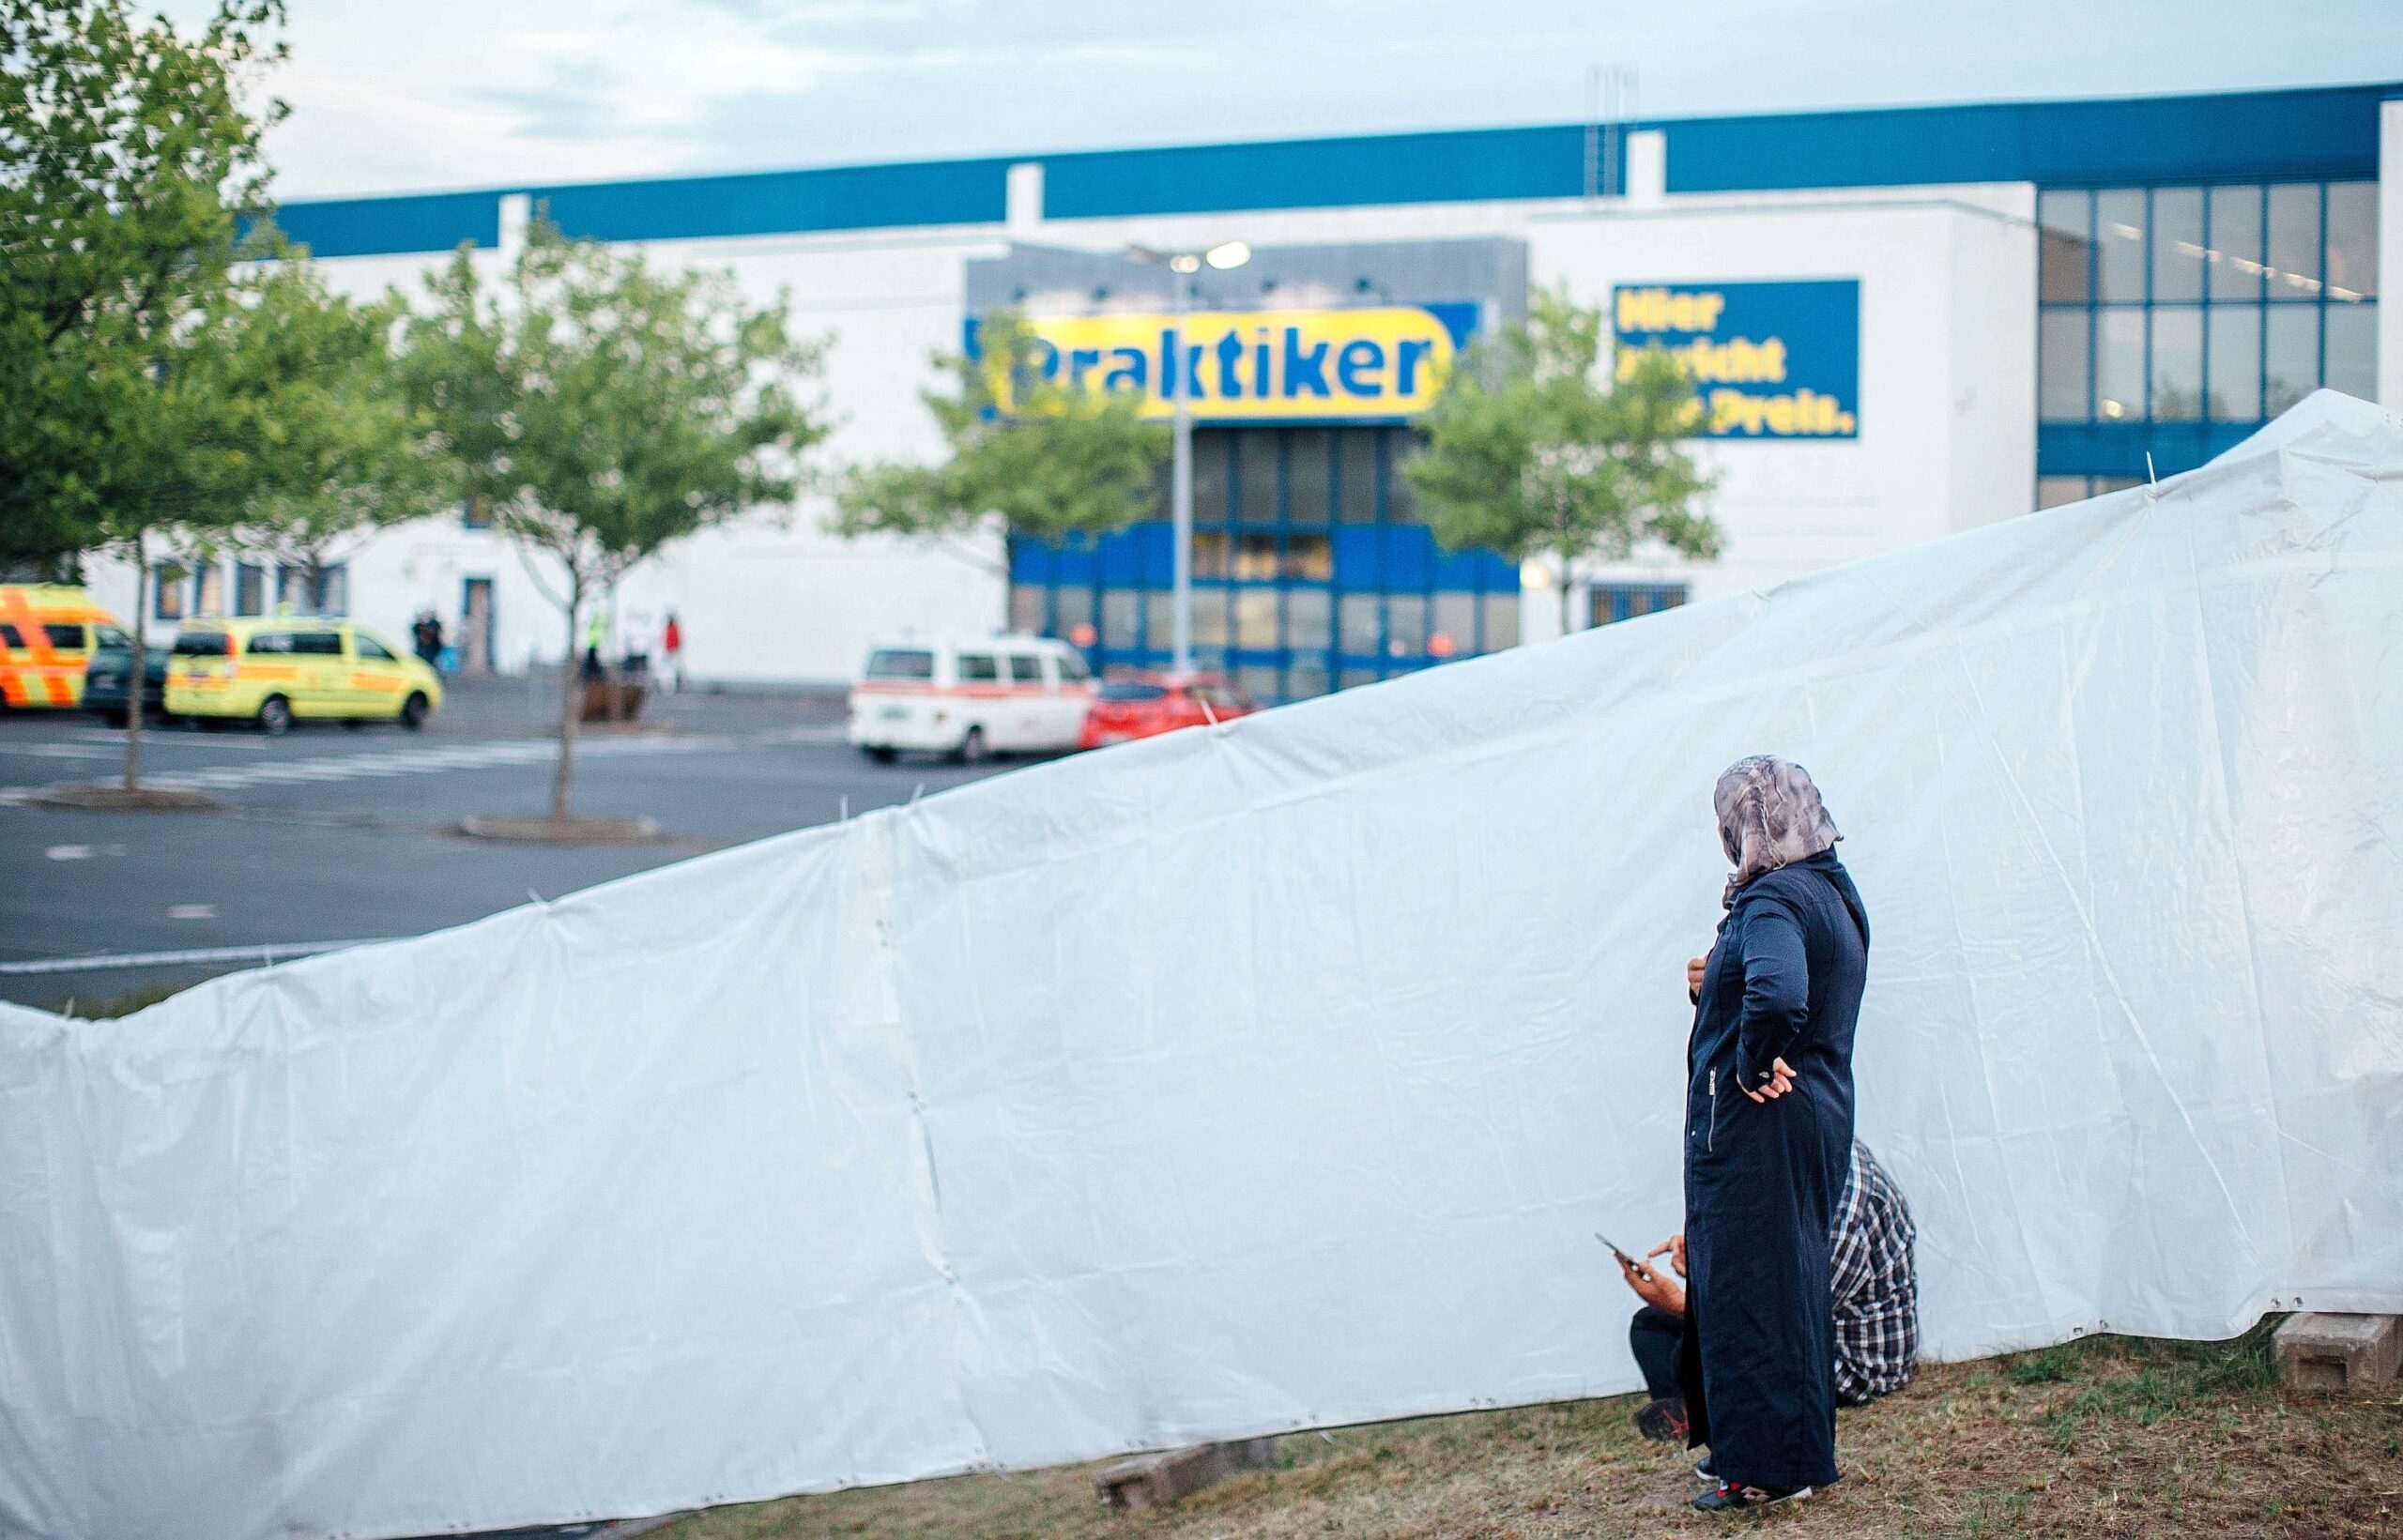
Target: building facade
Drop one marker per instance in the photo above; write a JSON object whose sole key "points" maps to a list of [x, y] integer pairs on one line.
{"points": [[1904, 323]]}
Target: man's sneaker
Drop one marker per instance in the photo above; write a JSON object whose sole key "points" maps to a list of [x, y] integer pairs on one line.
{"points": [[1662, 1420], [1733, 1496], [1703, 1471]]}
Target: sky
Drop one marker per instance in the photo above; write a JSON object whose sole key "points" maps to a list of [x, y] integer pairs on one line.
{"points": [[390, 97]]}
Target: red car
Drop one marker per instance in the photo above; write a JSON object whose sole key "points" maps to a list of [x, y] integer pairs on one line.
{"points": [[1144, 705]]}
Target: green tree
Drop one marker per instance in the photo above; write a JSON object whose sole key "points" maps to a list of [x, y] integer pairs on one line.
{"points": [[1045, 459], [1530, 454], [603, 410], [127, 170], [346, 451]]}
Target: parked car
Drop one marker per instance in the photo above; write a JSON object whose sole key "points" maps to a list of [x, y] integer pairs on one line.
{"points": [[1146, 705], [968, 699], [47, 634], [278, 671], [105, 675]]}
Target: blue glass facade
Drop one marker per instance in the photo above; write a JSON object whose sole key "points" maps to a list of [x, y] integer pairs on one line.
{"points": [[2173, 321], [1312, 571]]}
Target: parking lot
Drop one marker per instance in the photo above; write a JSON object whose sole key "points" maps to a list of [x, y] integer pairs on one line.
{"points": [[329, 834]]}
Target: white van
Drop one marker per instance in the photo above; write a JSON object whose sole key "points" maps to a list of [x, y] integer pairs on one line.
{"points": [[996, 695]]}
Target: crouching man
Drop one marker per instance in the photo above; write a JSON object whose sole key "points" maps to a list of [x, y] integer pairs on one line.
{"points": [[1876, 1302]]}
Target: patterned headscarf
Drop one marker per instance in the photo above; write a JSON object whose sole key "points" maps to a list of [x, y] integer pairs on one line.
{"points": [[1769, 816]]}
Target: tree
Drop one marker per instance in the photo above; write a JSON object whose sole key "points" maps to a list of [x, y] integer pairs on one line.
{"points": [[1527, 453], [128, 168], [1046, 459], [603, 410], [346, 451]]}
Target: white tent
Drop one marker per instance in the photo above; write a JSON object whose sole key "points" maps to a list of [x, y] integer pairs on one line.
{"points": [[1271, 1076]]}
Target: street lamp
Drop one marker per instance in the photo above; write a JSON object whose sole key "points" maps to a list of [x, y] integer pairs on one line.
{"points": [[1184, 264]]}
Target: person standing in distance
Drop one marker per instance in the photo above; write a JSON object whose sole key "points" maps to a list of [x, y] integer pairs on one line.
{"points": [[1768, 1141]]}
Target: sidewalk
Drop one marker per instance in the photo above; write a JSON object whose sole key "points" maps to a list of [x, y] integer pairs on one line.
{"points": [[527, 705]]}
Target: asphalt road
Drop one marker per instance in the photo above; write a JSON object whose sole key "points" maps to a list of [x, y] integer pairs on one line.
{"points": [[334, 835]]}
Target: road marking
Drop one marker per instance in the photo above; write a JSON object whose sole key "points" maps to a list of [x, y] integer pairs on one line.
{"points": [[191, 911], [69, 852], [489, 754], [58, 751], [275, 952]]}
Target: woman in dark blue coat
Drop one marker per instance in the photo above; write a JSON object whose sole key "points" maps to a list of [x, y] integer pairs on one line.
{"points": [[1769, 1128]]}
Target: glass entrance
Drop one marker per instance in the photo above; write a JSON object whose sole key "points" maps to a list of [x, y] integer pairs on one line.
{"points": [[1312, 571]]}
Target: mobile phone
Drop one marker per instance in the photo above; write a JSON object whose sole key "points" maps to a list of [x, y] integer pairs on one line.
{"points": [[1616, 1252]]}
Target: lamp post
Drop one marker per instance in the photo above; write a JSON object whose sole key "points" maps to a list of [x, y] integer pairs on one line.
{"points": [[1179, 388]]}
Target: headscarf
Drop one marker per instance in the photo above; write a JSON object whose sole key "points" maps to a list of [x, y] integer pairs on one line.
{"points": [[1769, 816]]}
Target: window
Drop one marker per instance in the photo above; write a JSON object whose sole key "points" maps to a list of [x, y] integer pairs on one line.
{"points": [[207, 642], [474, 514], [318, 644], [1025, 670], [2055, 491], [65, 638], [900, 663], [211, 600], [2222, 305], [368, 647], [2061, 393], [1615, 601], [170, 596], [250, 588], [2178, 362], [1073, 667], [978, 668], [1028, 607], [2065, 247], [11, 636], [2232, 338], [273, 643], [109, 636]]}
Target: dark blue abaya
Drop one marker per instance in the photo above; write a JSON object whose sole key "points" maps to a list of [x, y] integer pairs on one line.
{"points": [[1783, 981]]}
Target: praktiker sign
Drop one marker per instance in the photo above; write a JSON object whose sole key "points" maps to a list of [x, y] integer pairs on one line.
{"points": [[1373, 364]]}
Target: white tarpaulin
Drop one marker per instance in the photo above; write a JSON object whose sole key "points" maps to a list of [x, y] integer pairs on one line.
{"points": [[1270, 1076]]}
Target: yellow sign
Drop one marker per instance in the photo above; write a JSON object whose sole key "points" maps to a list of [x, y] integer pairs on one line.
{"points": [[1386, 361]]}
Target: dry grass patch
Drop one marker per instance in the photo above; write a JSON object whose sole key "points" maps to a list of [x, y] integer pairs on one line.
{"points": [[2100, 1439]]}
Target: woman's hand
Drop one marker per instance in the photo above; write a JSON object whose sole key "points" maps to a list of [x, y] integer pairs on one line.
{"points": [[1781, 1080], [1693, 977]]}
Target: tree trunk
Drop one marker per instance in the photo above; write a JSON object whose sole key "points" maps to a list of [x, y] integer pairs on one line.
{"points": [[135, 681], [1565, 608], [569, 708], [613, 670]]}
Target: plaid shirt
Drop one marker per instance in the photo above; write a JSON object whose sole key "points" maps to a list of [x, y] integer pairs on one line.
{"points": [[1877, 1292]]}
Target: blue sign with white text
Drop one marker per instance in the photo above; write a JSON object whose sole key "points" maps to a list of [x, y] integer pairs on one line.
{"points": [[1768, 360]]}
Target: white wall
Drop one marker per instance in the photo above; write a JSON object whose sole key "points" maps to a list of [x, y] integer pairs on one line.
{"points": [[1948, 368]]}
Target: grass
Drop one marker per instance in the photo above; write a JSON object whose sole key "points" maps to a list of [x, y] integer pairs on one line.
{"points": [[2097, 1439]]}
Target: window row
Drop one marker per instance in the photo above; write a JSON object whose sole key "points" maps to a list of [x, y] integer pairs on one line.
{"points": [[2222, 363], [2280, 243], [183, 590], [1307, 640], [1305, 476]]}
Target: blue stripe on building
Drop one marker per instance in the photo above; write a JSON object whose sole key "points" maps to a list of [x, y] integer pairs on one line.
{"points": [[2327, 132]]}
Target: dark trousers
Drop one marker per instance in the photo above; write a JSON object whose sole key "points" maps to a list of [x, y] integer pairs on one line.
{"points": [[1654, 1336]]}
